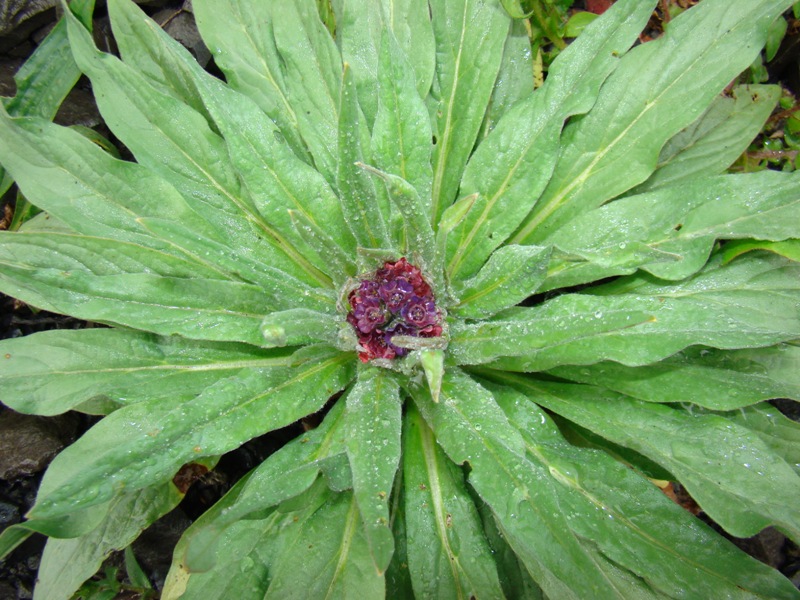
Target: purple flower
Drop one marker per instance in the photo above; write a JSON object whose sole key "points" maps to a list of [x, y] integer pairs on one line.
{"points": [[368, 289], [419, 312], [395, 293], [397, 329], [396, 300], [368, 314]]}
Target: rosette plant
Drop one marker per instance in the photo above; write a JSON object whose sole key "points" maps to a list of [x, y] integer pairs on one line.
{"points": [[517, 311]]}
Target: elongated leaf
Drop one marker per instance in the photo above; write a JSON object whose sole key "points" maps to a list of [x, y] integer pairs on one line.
{"points": [[373, 420], [510, 169], [45, 79], [410, 21], [447, 553], [469, 38], [512, 274], [515, 78], [654, 93], [246, 549], [398, 577], [121, 290], [144, 45], [515, 579], [276, 179], [312, 70], [327, 555], [87, 189], [241, 38], [95, 194], [401, 135], [172, 139], [632, 523], [670, 231], [731, 378], [788, 248], [780, 433], [359, 25], [51, 372], [357, 195], [286, 474], [313, 544], [418, 231], [470, 427], [713, 142], [66, 564], [144, 443], [360, 28], [749, 303], [727, 469]]}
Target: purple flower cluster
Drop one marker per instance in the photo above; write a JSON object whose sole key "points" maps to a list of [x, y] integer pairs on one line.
{"points": [[395, 301]]}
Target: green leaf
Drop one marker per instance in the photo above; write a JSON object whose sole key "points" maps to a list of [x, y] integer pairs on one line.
{"points": [[715, 140], [359, 26], [242, 41], [670, 231], [469, 38], [398, 578], [577, 23], [432, 361], [340, 264], [67, 563], [12, 536], [144, 45], [410, 21], [299, 326], [124, 287], [135, 572], [511, 168], [244, 549], [780, 433], [727, 469], [471, 428], [730, 378], [654, 93], [511, 274], [145, 443], [632, 523], [515, 78], [312, 71], [515, 579], [51, 372], [45, 79], [93, 193], [774, 37], [359, 200], [448, 556], [326, 555], [276, 179], [373, 420], [401, 135], [175, 141], [313, 544], [640, 320], [286, 474], [418, 232], [789, 248]]}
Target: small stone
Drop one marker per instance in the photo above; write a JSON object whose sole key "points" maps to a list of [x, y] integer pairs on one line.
{"points": [[28, 443]]}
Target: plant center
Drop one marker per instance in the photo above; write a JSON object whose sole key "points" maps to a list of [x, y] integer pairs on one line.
{"points": [[395, 301]]}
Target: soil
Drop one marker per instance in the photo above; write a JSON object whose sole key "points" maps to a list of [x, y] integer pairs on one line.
{"points": [[28, 443]]}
